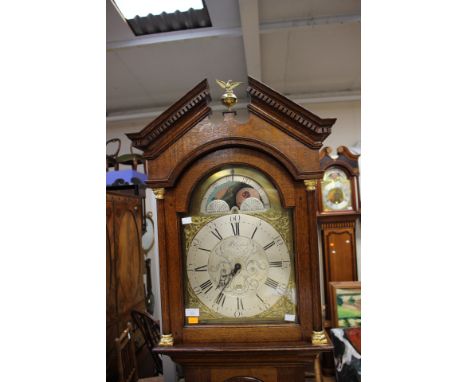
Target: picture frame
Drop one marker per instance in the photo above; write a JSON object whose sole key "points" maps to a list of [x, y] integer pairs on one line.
{"points": [[345, 304]]}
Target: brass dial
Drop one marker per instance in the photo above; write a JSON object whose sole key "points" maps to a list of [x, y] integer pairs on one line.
{"points": [[238, 265], [336, 190]]}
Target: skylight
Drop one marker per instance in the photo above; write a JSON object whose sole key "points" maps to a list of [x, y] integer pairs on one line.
{"points": [[132, 8]]}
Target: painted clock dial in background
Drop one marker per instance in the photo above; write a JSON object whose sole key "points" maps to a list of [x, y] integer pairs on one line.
{"points": [[336, 190], [238, 265]]}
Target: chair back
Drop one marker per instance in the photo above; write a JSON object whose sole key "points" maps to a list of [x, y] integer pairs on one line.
{"points": [[126, 358], [111, 159], [151, 333]]}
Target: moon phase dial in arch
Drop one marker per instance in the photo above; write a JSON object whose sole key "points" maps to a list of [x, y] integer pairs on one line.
{"points": [[237, 191]]}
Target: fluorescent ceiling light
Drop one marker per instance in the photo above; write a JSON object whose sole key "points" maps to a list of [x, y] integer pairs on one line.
{"points": [[132, 8]]}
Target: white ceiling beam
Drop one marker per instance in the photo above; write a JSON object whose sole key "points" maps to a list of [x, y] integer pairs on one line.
{"points": [[308, 23], [159, 38], [251, 36], [188, 34], [301, 99]]}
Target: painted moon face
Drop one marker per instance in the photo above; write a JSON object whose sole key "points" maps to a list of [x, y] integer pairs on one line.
{"points": [[233, 191], [245, 193]]}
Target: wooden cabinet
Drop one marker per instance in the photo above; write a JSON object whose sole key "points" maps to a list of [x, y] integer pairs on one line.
{"points": [[124, 268], [339, 253]]}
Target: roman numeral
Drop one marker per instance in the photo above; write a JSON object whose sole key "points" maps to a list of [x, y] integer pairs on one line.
{"points": [[271, 283], [269, 245], [217, 234], [260, 298], [220, 299], [277, 264], [255, 230], [240, 304], [203, 249], [202, 268], [235, 228], [206, 286]]}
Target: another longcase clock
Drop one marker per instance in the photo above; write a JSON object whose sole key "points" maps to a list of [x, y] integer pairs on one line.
{"points": [[237, 236], [339, 210]]}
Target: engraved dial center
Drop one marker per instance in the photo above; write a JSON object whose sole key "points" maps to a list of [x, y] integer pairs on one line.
{"points": [[240, 261]]}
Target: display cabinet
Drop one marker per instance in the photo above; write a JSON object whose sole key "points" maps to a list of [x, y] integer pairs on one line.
{"points": [[124, 270]]}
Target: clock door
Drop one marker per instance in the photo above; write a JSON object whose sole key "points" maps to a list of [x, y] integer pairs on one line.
{"points": [[339, 254], [243, 234]]}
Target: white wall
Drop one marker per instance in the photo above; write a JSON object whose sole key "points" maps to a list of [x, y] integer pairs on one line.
{"points": [[346, 131]]}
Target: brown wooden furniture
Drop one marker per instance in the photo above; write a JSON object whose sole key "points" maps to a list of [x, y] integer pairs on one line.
{"points": [[152, 335], [126, 358], [338, 227], [124, 268], [183, 147]]}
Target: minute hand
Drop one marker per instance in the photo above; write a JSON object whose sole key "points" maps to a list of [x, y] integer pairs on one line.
{"points": [[236, 269]]}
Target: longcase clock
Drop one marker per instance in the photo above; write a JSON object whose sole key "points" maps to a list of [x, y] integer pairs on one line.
{"points": [[237, 235], [339, 210]]}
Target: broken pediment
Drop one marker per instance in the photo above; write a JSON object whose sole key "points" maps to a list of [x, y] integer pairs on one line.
{"points": [[276, 126]]}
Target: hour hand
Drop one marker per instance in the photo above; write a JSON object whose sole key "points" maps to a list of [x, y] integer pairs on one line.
{"points": [[236, 269], [222, 280]]}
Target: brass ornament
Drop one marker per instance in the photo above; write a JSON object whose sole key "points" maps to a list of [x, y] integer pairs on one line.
{"points": [[159, 193], [310, 184], [229, 99], [166, 340], [319, 338]]}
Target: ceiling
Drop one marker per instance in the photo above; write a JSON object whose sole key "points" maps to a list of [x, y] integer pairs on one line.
{"points": [[305, 49]]}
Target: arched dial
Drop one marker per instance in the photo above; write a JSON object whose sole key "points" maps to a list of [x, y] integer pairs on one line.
{"points": [[238, 265], [336, 190]]}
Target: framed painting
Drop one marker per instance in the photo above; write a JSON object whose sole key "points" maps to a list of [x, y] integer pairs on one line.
{"points": [[345, 304]]}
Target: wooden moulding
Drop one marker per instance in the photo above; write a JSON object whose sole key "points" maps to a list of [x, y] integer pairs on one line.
{"points": [[277, 126], [287, 115], [186, 112], [206, 137], [345, 159], [238, 354]]}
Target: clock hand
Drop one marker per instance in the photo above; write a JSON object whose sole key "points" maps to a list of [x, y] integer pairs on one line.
{"points": [[222, 279], [236, 269]]}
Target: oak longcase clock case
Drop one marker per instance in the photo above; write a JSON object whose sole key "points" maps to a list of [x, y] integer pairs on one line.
{"points": [[237, 234], [339, 211]]}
